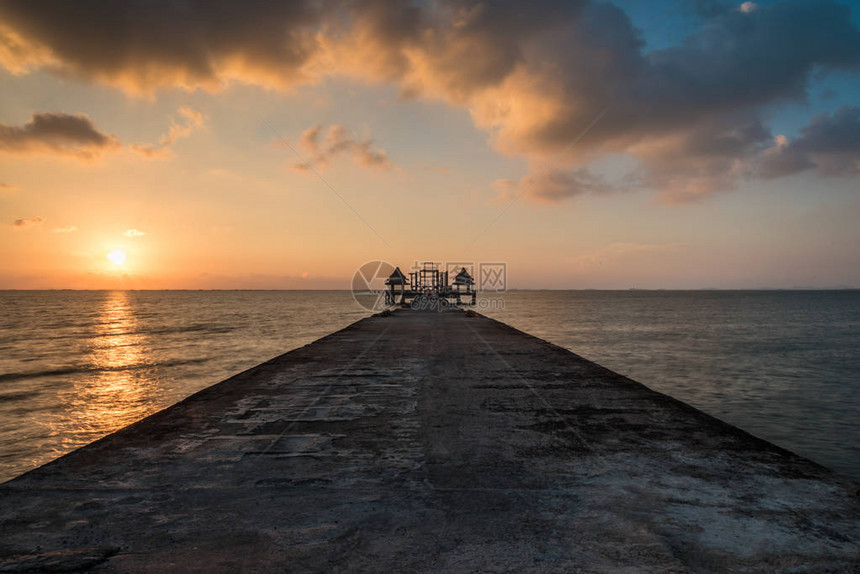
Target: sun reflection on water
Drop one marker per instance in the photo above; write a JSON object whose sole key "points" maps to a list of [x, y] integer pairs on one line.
{"points": [[120, 382]]}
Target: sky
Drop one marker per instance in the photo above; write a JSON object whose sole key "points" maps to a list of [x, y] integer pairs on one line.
{"points": [[676, 144]]}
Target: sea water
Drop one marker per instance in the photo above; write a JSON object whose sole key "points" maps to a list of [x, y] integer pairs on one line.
{"points": [[76, 365]]}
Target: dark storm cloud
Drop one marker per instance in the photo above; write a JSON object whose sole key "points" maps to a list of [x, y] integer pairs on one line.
{"points": [[829, 143], [140, 44], [705, 158], [57, 133], [742, 59], [533, 75]]}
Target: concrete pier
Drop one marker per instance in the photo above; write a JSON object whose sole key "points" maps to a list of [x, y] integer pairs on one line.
{"points": [[425, 442]]}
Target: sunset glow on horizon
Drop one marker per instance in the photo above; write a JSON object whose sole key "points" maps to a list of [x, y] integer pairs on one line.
{"points": [[281, 146]]}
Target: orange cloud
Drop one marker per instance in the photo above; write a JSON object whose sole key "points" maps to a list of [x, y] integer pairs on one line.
{"points": [[551, 186], [188, 121], [21, 55], [336, 142], [72, 135]]}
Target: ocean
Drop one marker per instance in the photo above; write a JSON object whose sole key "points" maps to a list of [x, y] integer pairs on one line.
{"points": [[76, 365]]}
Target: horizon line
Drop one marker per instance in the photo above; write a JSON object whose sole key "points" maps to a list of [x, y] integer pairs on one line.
{"points": [[516, 289]]}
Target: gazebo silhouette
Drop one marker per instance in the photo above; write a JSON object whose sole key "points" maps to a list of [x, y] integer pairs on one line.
{"points": [[429, 286]]}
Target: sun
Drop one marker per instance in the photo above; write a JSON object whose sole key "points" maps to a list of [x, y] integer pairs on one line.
{"points": [[116, 257]]}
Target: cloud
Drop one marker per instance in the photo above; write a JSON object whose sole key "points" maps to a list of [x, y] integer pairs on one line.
{"points": [[533, 76], [72, 135], [28, 222], [7, 187], [829, 144], [694, 163], [188, 120], [140, 46], [552, 186], [67, 229], [321, 151], [134, 233]]}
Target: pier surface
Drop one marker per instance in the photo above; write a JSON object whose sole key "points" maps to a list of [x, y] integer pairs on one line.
{"points": [[430, 442]]}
